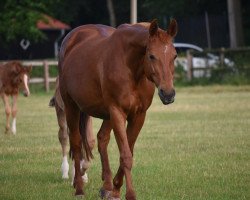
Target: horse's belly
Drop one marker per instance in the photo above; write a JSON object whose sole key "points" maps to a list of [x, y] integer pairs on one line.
{"points": [[98, 111]]}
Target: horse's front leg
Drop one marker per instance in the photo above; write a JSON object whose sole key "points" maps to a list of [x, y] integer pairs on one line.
{"points": [[14, 113], [7, 111], [134, 126], [118, 120], [73, 116], [103, 137]]}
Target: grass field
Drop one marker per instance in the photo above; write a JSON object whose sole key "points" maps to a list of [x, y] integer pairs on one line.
{"points": [[196, 148]]}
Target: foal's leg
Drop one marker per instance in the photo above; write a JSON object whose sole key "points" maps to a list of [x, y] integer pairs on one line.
{"points": [[118, 120], [73, 117], [14, 112], [103, 137], [133, 128], [85, 163], [63, 138], [7, 111]]}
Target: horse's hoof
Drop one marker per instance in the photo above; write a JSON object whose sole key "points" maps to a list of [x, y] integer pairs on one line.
{"points": [[105, 194], [65, 176], [130, 197], [113, 198], [7, 130], [79, 194]]}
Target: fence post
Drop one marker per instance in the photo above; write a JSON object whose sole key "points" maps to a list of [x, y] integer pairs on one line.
{"points": [[46, 75], [189, 65]]}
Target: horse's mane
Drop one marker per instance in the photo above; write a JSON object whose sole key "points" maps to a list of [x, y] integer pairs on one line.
{"points": [[144, 26]]}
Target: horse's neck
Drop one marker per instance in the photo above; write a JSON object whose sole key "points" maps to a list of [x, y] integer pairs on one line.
{"points": [[135, 42]]}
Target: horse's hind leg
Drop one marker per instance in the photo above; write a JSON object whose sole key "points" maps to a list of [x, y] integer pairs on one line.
{"points": [[7, 111], [63, 138], [85, 164], [103, 141], [73, 117]]}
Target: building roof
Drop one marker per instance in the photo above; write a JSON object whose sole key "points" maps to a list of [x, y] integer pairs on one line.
{"points": [[50, 23]]}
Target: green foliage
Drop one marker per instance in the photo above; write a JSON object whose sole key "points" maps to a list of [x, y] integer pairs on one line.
{"points": [[19, 18]]}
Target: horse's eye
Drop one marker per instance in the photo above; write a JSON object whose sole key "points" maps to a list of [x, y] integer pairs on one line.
{"points": [[151, 57]]}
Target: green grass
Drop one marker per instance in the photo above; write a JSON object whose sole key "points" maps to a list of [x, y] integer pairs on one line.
{"points": [[196, 148]]}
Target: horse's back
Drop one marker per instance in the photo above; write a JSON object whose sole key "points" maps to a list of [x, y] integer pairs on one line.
{"points": [[82, 34]]}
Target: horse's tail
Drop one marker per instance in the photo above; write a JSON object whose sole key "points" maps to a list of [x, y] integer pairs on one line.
{"points": [[83, 131], [52, 102]]}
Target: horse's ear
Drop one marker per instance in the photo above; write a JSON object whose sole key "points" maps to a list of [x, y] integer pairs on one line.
{"points": [[16, 68], [29, 69], [153, 27], [172, 28]]}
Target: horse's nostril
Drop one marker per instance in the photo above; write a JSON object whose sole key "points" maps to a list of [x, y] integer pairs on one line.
{"points": [[161, 91], [173, 93]]}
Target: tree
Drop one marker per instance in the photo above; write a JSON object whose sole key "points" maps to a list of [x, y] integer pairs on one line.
{"points": [[235, 23], [111, 13], [18, 20]]}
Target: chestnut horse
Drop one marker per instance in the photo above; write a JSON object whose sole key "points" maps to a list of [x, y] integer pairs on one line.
{"points": [[57, 102], [13, 76], [111, 74]]}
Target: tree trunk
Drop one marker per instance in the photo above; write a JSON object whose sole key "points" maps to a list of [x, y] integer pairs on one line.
{"points": [[235, 23], [133, 11], [111, 13]]}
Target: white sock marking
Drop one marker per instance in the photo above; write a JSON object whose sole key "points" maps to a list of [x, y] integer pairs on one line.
{"points": [[166, 48], [65, 168], [84, 177], [13, 127]]}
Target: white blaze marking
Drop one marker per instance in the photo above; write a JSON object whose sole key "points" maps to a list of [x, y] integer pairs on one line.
{"points": [[166, 48], [25, 80]]}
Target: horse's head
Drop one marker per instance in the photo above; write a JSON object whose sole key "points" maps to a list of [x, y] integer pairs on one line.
{"points": [[160, 56], [21, 76]]}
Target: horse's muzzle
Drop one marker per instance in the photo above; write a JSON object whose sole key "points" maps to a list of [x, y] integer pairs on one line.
{"points": [[165, 97], [26, 93]]}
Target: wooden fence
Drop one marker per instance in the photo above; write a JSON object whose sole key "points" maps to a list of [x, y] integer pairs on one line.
{"points": [[219, 58], [188, 59], [46, 79]]}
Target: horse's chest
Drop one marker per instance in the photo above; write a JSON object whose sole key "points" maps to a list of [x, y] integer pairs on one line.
{"points": [[10, 90], [138, 104]]}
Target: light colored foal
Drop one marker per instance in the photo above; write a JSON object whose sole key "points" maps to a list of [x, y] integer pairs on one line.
{"points": [[63, 137]]}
